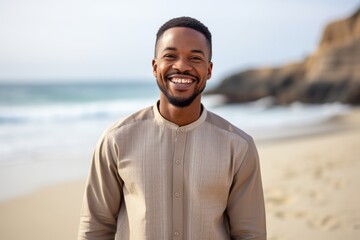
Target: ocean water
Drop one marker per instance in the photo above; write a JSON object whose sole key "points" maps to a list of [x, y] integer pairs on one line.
{"points": [[48, 131], [38, 119]]}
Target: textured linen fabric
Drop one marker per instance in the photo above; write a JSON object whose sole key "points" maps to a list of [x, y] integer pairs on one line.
{"points": [[152, 179]]}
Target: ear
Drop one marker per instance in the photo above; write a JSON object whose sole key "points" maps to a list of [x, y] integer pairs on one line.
{"points": [[154, 67], [209, 70]]}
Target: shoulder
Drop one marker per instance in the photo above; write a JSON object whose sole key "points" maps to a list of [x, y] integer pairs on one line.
{"points": [[241, 143], [227, 127], [130, 121]]}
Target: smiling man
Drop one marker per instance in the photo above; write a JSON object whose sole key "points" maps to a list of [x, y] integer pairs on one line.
{"points": [[175, 170]]}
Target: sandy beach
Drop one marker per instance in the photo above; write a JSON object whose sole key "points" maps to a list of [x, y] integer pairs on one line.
{"points": [[311, 186]]}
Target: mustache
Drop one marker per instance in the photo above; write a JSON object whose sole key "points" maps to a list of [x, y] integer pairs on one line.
{"points": [[185, 73]]}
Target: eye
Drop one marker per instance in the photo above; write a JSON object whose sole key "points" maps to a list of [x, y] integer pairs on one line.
{"points": [[169, 56], [196, 59]]}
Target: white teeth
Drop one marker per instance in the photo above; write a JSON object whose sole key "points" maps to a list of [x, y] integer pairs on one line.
{"points": [[181, 80]]}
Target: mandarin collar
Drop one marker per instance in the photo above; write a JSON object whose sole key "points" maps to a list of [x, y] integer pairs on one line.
{"points": [[186, 128]]}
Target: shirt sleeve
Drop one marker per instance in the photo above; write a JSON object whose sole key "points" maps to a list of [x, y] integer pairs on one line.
{"points": [[246, 210], [103, 195]]}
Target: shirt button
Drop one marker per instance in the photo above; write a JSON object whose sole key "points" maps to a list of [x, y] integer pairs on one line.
{"points": [[177, 161], [177, 194], [176, 233], [182, 129]]}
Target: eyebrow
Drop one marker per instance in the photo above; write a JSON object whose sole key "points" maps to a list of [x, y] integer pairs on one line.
{"points": [[193, 51]]}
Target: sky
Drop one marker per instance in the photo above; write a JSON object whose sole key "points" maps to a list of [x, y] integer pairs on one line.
{"points": [[90, 40]]}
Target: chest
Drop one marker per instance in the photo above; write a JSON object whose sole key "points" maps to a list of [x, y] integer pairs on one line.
{"points": [[186, 163]]}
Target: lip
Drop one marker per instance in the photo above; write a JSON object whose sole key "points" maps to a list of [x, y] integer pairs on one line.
{"points": [[181, 76], [181, 82]]}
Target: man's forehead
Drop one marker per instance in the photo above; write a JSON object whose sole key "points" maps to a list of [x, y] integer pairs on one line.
{"points": [[183, 36]]}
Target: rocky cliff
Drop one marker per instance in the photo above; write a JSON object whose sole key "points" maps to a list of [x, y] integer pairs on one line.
{"points": [[331, 73]]}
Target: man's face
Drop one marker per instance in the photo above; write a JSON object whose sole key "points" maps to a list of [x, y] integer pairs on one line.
{"points": [[181, 65]]}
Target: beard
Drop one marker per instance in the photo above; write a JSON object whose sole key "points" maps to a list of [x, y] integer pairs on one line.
{"points": [[178, 101]]}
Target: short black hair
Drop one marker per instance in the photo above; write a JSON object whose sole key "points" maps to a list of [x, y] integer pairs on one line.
{"points": [[187, 22]]}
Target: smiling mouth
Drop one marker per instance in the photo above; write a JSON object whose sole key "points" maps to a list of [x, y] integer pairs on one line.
{"points": [[181, 80]]}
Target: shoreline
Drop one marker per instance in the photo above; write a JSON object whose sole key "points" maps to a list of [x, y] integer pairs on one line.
{"points": [[310, 186], [21, 179]]}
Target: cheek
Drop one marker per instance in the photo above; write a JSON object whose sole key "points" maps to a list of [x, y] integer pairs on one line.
{"points": [[203, 73], [158, 72], [162, 69]]}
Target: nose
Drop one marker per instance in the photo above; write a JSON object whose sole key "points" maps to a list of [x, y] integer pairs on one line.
{"points": [[182, 65]]}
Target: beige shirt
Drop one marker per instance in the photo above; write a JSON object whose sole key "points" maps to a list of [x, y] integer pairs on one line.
{"points": [[151, 179]]}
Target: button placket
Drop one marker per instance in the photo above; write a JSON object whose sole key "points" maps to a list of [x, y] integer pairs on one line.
{"points": [[178, 181]]}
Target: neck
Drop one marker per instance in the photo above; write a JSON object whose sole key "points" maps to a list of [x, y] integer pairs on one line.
{"points": [[180, 116]]}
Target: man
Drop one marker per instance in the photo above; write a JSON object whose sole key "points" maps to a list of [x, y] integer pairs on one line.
{"points": [[175, 170]]}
